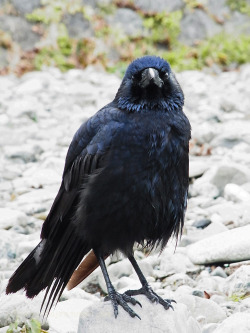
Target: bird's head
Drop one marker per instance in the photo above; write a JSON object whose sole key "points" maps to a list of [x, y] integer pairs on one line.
{"points": [[148, 84]]}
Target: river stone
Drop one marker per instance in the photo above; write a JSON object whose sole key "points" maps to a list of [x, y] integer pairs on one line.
{"points": [[229, 246], [237, 322], [154, 318]]}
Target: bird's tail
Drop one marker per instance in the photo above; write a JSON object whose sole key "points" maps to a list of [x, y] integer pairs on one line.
{"points": [[50, 265]]}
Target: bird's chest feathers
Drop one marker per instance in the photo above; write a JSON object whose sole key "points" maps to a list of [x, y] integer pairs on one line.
{"points": [[163, 147]]}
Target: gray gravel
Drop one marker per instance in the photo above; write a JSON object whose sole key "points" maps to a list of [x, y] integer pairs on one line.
{"points": [[39, 114]]}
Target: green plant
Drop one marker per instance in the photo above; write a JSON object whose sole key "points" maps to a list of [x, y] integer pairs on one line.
{"points": [[30, 326], [164, 28], [240, 5]]}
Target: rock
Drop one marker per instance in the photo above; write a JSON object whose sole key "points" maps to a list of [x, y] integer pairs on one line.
{"points": [[78, 27], [18, 306], [158, 6], [7, 246], [218, 271], [197, 25], [65, 317], [238, 284], [153, 318], [201, 224], [26, 6], [236, 193], [197, 167], [237, 24], [3, 58], [11, 217], [209, 328], [177, 280], [172, 263], [222, 174], [218, 9], [128, 21], [237, 322], [231, 214], [202, 307], [20, 30], [232, 245]]}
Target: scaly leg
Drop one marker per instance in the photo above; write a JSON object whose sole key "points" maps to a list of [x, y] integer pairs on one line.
{"points": [[115, 297], [146, 289]]}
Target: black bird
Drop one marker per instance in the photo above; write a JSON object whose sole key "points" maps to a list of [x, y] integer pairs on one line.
{"points": [[125, 181]]}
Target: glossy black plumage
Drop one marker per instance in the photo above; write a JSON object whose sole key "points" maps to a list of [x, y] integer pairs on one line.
{"points": [[125, 180]]}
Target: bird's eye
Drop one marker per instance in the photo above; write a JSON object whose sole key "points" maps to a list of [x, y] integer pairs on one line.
{"points": [[166, 75]]}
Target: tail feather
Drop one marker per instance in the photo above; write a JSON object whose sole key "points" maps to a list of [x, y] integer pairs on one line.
{"points": [[50, 265], [87, 266]]}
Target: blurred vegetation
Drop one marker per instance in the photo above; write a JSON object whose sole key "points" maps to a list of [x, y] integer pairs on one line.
{"points": [[240, 5], [30, 326], [160, 38]]}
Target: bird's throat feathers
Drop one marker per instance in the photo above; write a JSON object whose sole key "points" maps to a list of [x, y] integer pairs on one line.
{"points": [[149, 84], [128, 104]]}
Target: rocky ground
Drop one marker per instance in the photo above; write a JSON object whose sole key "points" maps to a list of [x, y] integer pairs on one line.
{"points": [[208, 273]]}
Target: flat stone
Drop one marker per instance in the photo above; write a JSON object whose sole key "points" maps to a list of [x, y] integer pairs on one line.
{"points": [[154, 318], [230, 246]]}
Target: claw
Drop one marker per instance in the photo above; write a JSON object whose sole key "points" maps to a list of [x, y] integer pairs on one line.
{"points": [[152, 296], [122, 299]]}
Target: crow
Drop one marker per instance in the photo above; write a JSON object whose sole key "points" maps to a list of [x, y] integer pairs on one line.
{"points": [[125, 182]]}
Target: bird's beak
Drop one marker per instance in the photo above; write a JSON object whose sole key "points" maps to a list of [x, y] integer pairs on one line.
{"points": [[150, 76]]}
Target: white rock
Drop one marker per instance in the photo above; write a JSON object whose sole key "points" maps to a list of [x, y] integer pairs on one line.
{"points": [[172, 263], [232, 245], [15, 306], [236, 193], [237, 284], [202, 307], [11, 217], [154, 318], [177, 280], [238, 322], [223, 173], [197, 167], [65, 317]]}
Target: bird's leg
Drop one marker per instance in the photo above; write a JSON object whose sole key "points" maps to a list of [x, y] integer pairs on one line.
{"points": [[146, 289], [115, 297]]}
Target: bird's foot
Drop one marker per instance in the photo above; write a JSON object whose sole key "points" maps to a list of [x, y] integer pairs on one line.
{"points": [[152, 296], [122, 299]]}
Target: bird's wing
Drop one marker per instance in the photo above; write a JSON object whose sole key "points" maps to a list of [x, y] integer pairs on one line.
{"points": [[85, 156]]}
